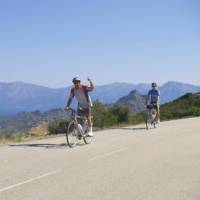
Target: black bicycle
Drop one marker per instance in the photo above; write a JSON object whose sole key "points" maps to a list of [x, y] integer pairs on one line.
{"points": [[77, 129], [151, 117]]}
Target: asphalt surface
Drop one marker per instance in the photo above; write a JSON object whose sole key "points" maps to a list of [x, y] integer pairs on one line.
{"points": [[121, 164]]}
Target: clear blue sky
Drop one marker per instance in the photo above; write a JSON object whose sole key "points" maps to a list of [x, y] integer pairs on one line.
{"points": [[48, 42]]}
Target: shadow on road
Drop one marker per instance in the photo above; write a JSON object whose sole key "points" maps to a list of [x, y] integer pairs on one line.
{"points": [[133, 129], [44, 145]]}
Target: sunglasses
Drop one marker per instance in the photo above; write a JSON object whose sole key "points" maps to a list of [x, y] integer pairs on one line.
{"points": [[76, 82]]}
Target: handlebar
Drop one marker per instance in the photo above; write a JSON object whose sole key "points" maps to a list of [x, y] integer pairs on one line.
{"points": [[74, 113], [70, 109]]}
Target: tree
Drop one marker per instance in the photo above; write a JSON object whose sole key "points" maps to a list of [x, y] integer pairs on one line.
{"points": [[102, 117], [58, 126], [121, 112]]}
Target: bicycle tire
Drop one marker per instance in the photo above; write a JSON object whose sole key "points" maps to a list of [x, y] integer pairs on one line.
{"points": [[71, 135], [154, 118], [87, 139], [147, 121]]}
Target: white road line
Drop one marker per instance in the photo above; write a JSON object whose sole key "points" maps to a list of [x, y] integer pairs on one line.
{"points": [[59, 171], [29, 181], [105, 155]]}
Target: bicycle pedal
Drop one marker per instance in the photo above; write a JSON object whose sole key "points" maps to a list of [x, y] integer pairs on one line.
{"points": [[79, 137]]}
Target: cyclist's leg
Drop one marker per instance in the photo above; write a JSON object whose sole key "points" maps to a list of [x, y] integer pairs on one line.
{"points": [[79, 113], [158, 113], [89, 118], [148, 111], [90, 123], [148, 117]]}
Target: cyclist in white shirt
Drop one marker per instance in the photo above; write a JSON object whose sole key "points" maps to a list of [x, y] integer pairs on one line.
{"points": [[80, 91]]}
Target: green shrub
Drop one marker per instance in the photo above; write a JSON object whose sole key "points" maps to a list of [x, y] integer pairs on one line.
{"points": [[102, 117], [58, 126], [121, 112]]}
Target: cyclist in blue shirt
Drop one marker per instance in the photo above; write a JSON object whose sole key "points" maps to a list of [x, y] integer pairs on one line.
{"points": [[153, 99]]}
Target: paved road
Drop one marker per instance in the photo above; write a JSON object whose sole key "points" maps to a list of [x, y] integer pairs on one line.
{"points": [[121, 164]]}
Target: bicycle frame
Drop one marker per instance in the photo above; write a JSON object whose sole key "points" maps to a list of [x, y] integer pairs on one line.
{"points": [[151, 117], [76, 118], [79, 131]]}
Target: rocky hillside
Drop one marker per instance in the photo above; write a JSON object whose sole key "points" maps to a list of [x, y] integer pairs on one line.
{"points": [[186, 106], [23, 122], [134, 101]]}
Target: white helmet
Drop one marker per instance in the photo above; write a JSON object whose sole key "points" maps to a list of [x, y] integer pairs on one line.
{"points": [[76, 79]]}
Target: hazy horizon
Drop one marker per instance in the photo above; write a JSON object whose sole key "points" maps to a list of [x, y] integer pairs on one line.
{"points": [[116, 82]]}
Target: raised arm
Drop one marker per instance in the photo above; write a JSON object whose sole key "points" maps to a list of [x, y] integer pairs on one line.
{"points": [[91, 84]]}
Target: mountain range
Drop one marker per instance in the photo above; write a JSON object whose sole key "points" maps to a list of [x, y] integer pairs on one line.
{"points": [[18, 97], [185, 106]]}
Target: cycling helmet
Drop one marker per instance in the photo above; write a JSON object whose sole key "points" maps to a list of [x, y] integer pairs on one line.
{"points": [[76, 79], [154, 84]]}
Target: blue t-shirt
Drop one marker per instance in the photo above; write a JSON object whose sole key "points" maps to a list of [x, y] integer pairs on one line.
{"points": [[153, 95]]}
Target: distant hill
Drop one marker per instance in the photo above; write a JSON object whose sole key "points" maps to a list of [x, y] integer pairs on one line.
{"points": [[173, 90], [111, 93], [21, 97], [134, 101], [23, 122], [187, 105]]}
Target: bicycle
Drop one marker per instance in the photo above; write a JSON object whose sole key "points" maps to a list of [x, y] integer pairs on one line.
{"points": [[151, 116], [77, 130]]}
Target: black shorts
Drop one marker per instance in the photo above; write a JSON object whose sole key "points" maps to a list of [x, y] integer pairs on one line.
{"points": [[84, 111], [153, 106]]}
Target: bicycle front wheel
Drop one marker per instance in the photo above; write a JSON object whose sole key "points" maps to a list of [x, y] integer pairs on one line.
{"points": [[87, 139], [72, 135]]}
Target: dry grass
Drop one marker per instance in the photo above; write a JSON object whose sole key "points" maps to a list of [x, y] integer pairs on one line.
{"points": [[40, 130], [12, 138]]}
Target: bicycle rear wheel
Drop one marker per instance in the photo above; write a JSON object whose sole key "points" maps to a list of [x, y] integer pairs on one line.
{"points": [[148, 124], [72, 135], [153, 115], [147, 121]]}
